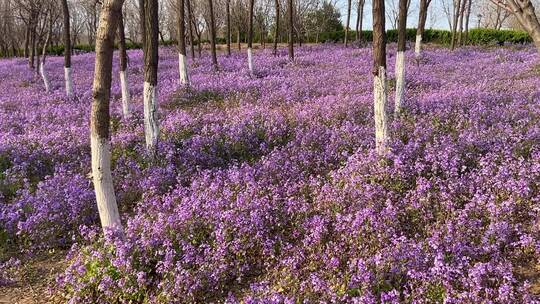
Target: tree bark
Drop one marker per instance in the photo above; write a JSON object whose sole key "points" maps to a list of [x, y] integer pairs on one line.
{"points": [[250, 37], [276, 32], [42, 69], [379, 77], [291, 30], [150, 75], [100, 116], [400, 57], [212, 34], [467, 18], [228, 12], [346, 39], [359, 19], [182, 59], [422, 17], [67, 49], [460, 27], [524, 12], [455, 19], [143, 22], [189, 16], [238, 38], [124, 84]]}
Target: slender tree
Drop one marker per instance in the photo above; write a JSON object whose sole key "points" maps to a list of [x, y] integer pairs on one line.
{"points": [[346, 39], [190, 28], [42, 69], [276, 32], [291, 30], [182, 59], [467, 17], [151, 59], [422, 17], [250, 37], [455, 20], [379, 77], [523, 11], [67, 49], [228, 12], [124, 84], [359, 19], [100, 117], [400, 57], [212, 34]]}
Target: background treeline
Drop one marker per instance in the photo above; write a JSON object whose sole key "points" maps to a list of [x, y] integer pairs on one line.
{"points": [[442, 37]]}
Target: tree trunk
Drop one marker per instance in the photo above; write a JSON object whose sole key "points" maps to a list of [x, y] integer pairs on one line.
{"points": [[379, 77], [346, 39], [400, 57], [143, 22], [250, 38], [151, 59], [26, 41], [213, 34], [192, 44], [100, 117], [42, 69], [67, 49], [276, 33], [238, 38], [291, 30], [457, 9], [461, 15], [422, 17], [467, 18], [182, 59], [359, 19], [124, 84], [524, 13], [228, 12]]}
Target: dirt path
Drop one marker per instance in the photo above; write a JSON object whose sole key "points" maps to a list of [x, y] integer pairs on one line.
{"points": [[32, 282]]}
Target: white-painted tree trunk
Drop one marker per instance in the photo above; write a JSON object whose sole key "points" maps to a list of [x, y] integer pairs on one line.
{"points": [[418, 45], [126, 98], [69, 81], [182, 65], [250, 61], [381, 120], [45, 77], [400, 81], [103, 183], [151, 128]]}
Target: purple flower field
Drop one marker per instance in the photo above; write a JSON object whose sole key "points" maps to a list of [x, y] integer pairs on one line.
{"points": [[268, 189]]}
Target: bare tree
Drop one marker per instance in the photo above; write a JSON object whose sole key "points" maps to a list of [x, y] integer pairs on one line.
{"points": [[42, 69], [190, 28], [276, 31], [422, 16], [291, 30], [182, 60], [67, 49], [379, 77], [212, 34], [228, 12], [124, 84], [359, 19], [250, 37], [400, 57], [523, 11], [100, 117], [150, 75], [346, 40]]}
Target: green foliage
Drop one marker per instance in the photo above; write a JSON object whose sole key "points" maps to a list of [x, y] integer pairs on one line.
{"points": [[475, 36]]}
